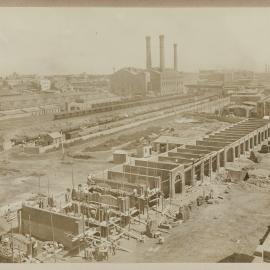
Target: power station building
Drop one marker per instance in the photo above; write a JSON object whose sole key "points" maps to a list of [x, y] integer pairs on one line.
{"points": [[158, 81], [130, 82], [163, 81]]}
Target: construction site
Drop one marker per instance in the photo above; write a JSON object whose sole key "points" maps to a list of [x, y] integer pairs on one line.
{"points": [[150, 164], [141, 202]]}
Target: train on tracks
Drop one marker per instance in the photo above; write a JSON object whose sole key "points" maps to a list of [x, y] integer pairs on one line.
{"points": [[128, 103]]}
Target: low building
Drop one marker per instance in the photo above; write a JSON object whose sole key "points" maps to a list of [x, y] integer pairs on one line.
{"points": [[119, 156], [45, 84], [54, 138], [205, 88], [240, 110], [144, 151], [244, 97], [78, 105], [63, 86]]}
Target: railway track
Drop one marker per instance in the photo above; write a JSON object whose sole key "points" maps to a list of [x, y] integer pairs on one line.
{"points": [[119, 105]]}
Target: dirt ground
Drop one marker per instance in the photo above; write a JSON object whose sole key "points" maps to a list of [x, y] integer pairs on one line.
{"points": [[19, 171], [214, 232]]}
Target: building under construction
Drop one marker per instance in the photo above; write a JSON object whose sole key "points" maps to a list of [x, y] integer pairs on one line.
{"points": [[133, 200]]}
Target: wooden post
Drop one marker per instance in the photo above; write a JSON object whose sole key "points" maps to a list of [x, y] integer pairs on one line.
{"points": [[84, 235], [53, 238], [39, 184], [30, 234], [12, 242]]}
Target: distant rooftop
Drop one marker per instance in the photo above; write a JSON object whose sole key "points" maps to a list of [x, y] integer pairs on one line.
{"points": [[55, 135]]}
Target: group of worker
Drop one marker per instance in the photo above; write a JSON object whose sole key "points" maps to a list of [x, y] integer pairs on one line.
{"points": [[96, 252]]}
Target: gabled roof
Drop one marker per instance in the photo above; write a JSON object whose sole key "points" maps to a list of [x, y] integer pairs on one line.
{"points": [[55, 135], [132, 70]]}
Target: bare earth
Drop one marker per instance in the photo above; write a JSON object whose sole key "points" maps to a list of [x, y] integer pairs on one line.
{"points": [[19, 171], [213, 233]]}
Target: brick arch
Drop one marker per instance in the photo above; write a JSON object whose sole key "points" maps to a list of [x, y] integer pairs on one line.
{"points": [[178, 181]]}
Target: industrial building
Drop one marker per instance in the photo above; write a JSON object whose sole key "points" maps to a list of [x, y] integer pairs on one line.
{"points": [[163, 81], [176, 167], [130, 82], [157, 81]]}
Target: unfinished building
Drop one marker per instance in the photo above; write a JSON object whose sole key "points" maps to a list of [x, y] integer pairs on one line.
{"points": [[184, 165]]}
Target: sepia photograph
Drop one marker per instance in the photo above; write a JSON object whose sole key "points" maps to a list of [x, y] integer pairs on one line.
{"points": [[134, 134]]}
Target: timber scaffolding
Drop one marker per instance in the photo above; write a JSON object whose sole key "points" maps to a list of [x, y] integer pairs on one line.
{"points": [[185, 165]]}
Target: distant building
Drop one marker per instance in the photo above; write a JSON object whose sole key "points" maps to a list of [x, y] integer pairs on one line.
{"points": [[240, 110], [45, 84], [243, 97], [205, 88], [54, 138], [77, 106], [158, 81], [211, 76], [167, 82], [17, 80], [130, 82], [164, 81], [63, 86]]}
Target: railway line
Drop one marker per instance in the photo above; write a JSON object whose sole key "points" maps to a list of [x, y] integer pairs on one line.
{"points": [[119, 105], [205, 105]]}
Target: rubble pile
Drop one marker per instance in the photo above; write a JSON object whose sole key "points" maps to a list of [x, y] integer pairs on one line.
{"points": [[259, 180]]}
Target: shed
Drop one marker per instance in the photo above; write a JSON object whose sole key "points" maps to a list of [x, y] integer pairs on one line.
{"points": [[144, 151], [119, 156], [54, 138]]}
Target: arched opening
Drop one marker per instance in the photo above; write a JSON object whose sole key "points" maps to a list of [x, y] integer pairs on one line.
{"points": [[178, 183], [230, 155]]}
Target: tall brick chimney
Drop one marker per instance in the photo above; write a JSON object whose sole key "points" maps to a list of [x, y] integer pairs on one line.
{"points": [[175, 57], [162, 56], [148, 53]]}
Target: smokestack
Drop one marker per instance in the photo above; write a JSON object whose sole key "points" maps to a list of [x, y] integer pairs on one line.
{"points": [[175, 57], [162, 56], [266, 68], [148, 53]]}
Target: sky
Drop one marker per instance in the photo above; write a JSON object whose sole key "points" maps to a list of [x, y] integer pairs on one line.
{"points": [[99, 40]]}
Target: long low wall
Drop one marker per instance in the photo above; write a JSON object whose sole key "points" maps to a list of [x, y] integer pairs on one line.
{"points": [[40, 149], [129, 187], [43, 224], [150, 181], [164, 174]]}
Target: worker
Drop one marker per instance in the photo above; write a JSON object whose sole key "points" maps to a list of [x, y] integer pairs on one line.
{"points": [[113, 248], [106, 253], [34, 249], [160, 239], [211, 194]]}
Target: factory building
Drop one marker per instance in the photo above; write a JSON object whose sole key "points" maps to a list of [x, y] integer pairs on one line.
{"points": [[157, 81], [130, 82], [163, 81]]}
